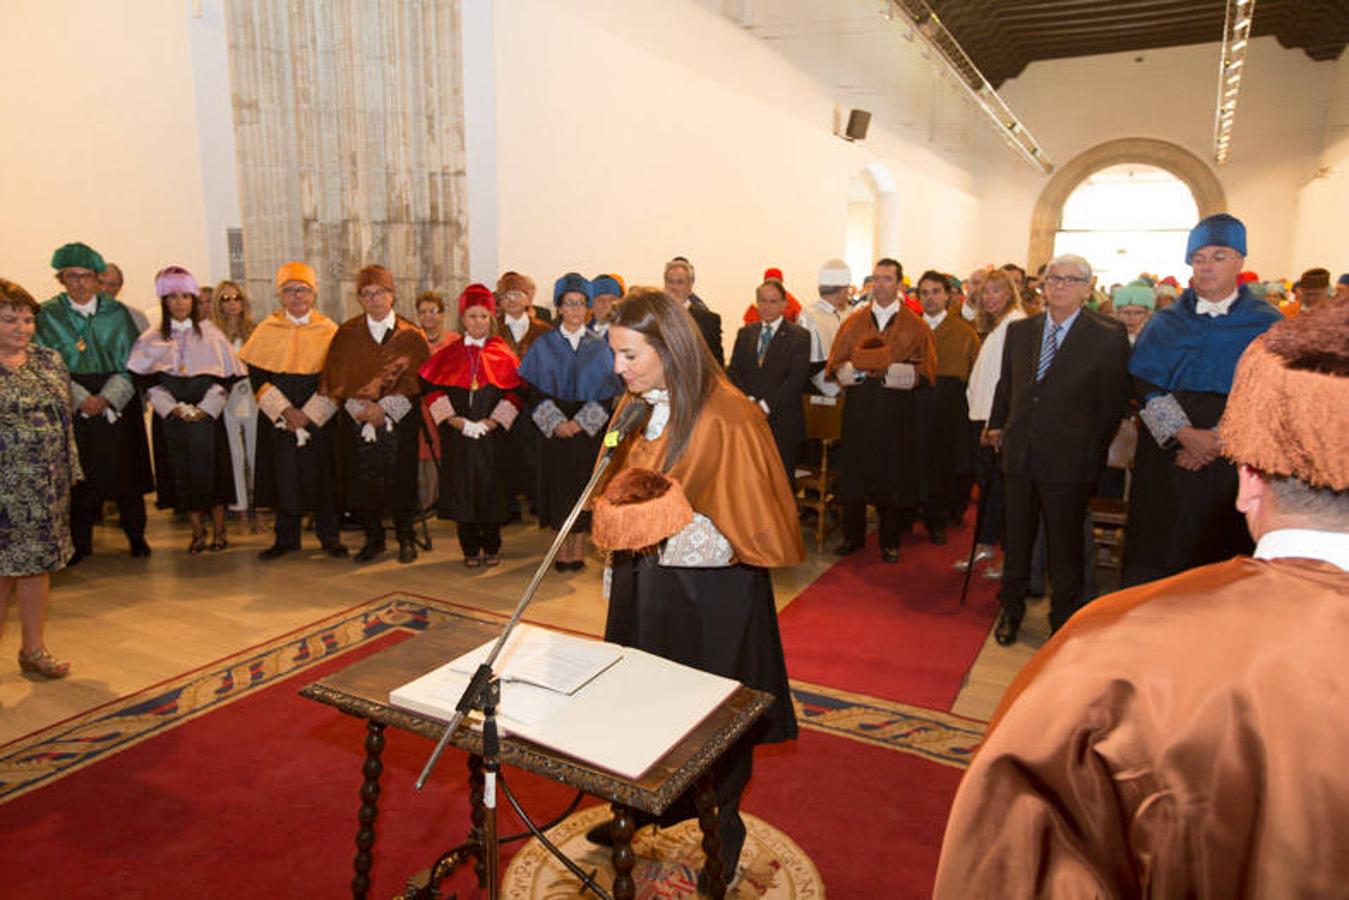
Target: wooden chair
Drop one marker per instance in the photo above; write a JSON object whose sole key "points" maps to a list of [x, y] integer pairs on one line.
{"points": [[815, 479], [1110, 515]]}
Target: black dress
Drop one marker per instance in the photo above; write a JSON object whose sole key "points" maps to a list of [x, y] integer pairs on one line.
{"points": [[565, 465], [193, 471], [473, 472]]}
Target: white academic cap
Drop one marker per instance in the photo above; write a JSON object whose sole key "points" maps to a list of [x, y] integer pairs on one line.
{"points": [[835, 273]]}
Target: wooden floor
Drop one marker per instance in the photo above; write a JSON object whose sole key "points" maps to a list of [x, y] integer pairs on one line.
{"points": [[126, 623]]}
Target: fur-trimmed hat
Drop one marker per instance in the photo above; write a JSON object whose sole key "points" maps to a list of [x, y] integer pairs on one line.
{"points": [[1286, 412], [375, 275], [175, 280], [573, 283], [639, 509], [477, 295], [514, 281]]}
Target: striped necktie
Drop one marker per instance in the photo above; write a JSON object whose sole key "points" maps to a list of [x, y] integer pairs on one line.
{"points": [[765, 338], [1051, 345]]}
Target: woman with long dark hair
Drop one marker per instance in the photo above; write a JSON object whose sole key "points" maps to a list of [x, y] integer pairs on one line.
{"points": [[701, 596], [189, 367]]}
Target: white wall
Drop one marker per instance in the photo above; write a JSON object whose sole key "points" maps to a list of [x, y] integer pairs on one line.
{"points": [[1324, 196], [1071, 105], [106, 142], [630, 131]]}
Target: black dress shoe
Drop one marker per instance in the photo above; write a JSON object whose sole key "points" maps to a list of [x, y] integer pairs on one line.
{"points": [[890, 554], [937, 535], [139, 549], [276, 551], [369, 551], [848, 547], [1008, 626], [407, 552], [75, 559], [336, 551]]}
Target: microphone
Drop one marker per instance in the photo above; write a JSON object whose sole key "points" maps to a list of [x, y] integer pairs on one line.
{"points": [[627, 420]]}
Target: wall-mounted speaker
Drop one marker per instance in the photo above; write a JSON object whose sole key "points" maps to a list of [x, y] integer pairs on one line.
{"points": [[859, 120]]}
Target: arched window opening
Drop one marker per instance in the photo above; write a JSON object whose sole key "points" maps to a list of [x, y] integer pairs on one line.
{"points": [[1127, 219]]}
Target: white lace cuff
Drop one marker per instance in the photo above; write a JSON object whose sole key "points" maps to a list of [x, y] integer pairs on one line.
{"points": [[591, 417], [78, 394], [1164, 416], [504, 414], [395, 406], [319, 409], [900, 376], [355, 407], [161, 400], [118, 391], [272, 402], [441, 409], [547, 416], [213, 404], [698, 545]]}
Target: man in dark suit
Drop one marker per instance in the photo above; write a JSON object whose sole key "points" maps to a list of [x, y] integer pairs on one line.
{"points": [[679, 285], [1059, 401], [771, 365]]}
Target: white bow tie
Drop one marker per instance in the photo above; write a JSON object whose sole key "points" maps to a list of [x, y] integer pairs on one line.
{"points": [[1209, 308]]}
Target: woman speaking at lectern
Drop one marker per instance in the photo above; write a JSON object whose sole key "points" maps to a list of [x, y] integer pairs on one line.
{"points": [[696, 509]]}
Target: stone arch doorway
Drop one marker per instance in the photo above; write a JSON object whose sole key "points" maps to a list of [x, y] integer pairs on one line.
{"points": [[1193, 171], [873, 219]]}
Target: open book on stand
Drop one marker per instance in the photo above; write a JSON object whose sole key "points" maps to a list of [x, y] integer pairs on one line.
{"points": [[612, 707]]}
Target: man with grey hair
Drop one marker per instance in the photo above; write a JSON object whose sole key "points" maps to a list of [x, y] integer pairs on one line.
{"points": [[679, 285], [822, 318], [1059, 401]]}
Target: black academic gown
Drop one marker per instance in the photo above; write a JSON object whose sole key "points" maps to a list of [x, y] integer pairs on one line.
{"points": [[288, 477], [193, 469], [474, 472]]}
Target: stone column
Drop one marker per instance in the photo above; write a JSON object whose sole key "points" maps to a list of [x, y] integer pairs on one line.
{"points": [[348, 120]]}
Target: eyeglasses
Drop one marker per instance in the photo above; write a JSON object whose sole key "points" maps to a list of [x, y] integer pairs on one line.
{"points": [[372, 292], [1205, 259], [514, 295], [1065, 280], [80, 276], [229, 298], [297, 290], [573, 303]]}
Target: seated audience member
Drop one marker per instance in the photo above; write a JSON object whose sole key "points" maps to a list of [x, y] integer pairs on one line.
{"points": [[822, 319], [472, 397], [999, 306], [679, 285], [770, 364], [572, 386], [881, 353], [94, 333], [431, 317], [297, 467], [1158, 745], [38, 463], [1133, 304], [188, 368], [608, 294], [371, 371], [234, 317], [942, 412], [1180, 506]]}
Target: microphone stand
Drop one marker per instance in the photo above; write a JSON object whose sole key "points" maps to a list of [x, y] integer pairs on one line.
{"points": [[483, 691]]}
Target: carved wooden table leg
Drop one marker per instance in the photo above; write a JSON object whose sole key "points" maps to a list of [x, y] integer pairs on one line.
{"points": [[705, 799], [624, 859], [365, 831], [477, 816]]}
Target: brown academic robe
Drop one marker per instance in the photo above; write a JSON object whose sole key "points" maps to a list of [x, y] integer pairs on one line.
{"points": [[943, 413], [380, 475], [1185, 738]]}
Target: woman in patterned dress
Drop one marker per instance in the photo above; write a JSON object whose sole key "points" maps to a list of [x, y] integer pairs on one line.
{"points": [[38, 464]]}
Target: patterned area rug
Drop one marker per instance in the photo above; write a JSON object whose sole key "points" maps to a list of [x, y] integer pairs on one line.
{"points": [[46, 755], [772, 866]]}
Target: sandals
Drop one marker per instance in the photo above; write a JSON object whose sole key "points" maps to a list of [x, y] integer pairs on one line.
{"points": [[218, 542], [472, 562], [198, 544], [43, 664]]}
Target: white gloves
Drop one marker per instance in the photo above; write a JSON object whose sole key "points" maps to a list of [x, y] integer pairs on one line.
{"points": [[846, 375], [901, 376], [474, 430]]}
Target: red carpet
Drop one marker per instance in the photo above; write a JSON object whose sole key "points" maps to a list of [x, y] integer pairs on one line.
{"points": [[891, 631], [258, 799]]}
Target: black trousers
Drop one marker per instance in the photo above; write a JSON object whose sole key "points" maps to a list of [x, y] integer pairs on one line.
{"points": [[892, 523], [479, 537], [325, 523], [372, 522], [84, 507], [1064, 508]]}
